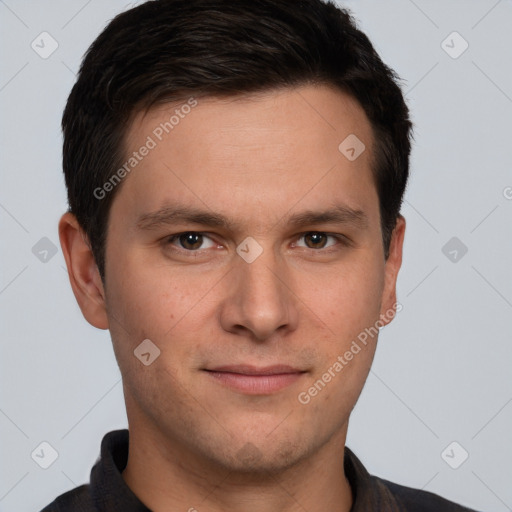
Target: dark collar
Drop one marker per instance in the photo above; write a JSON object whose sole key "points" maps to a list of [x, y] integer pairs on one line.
{"points": [[369, 492], [108, 489]]}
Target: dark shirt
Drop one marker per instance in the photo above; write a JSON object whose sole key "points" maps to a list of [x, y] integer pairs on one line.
{"points": [[108, 492]]}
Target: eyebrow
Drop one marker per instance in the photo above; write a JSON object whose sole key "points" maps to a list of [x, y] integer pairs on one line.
{"points": [[169, 215]]}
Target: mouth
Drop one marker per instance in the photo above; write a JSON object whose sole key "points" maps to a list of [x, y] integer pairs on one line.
{"points": [[252, 380]]}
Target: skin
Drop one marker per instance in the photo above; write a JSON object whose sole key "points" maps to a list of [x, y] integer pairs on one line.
{"points": [[257, 160]]}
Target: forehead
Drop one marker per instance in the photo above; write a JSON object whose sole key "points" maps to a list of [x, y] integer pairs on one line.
{"points": [[257, 154], [316, 109]]}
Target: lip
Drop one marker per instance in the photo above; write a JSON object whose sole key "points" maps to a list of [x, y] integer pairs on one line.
{"points": [[252, 380]]}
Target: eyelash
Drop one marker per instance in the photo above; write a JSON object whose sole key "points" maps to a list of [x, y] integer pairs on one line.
{"points": [[341, 239]]}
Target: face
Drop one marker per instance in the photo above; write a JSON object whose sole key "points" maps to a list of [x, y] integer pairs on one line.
{"points": [[247, 247]]}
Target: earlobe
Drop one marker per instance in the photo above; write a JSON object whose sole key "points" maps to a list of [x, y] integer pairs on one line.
{"points": [[83, 272], [392, 266]]}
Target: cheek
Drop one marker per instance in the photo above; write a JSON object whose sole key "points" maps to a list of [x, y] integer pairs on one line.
{"points": [[346, 297], [156, 300]]}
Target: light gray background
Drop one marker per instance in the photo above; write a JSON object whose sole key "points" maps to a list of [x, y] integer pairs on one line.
{"points": [[442, 369]]}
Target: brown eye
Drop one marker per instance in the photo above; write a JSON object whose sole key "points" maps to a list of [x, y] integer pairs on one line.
{"points": [[315, 240], [191, 241]]}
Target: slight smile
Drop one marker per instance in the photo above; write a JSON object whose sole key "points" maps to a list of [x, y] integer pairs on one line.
{"points": [[252, 380]]}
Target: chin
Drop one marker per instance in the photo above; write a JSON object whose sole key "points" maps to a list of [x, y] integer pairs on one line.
{"points": [[261, 456]]}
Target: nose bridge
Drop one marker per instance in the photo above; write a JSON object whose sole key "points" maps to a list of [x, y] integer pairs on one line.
{"points": [[262, 276], [264, 285], [261, 301]]}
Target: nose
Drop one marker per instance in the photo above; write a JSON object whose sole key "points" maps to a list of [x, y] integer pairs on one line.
{"points": [[260, 299]]}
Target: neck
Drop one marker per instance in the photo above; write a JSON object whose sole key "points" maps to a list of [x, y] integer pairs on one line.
{"points": [[165, 475]]}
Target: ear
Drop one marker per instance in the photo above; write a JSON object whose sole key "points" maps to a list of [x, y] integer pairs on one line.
{"points": [[83, 272], [392, 266]]}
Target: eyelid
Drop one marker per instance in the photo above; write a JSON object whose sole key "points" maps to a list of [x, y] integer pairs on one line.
{"points": [[168, 240], [341, 239]]}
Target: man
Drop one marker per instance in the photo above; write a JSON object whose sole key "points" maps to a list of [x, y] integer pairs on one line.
{"points": [[235, 172]]}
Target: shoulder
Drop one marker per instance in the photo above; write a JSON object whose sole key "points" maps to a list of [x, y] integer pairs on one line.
{"points": [[76, 500], [418, 500]]}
